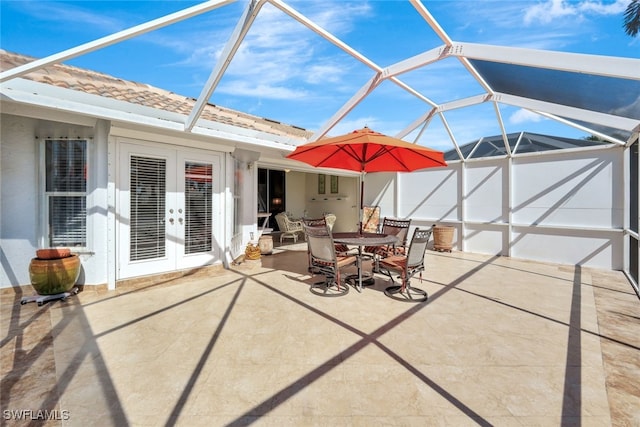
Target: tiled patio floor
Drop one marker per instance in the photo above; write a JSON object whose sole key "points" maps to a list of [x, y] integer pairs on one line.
{"points": [[500, 342]]}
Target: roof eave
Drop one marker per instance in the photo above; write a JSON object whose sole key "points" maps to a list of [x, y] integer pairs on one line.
{"points": [[42, 95]]}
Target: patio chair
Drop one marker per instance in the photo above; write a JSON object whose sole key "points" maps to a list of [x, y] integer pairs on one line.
{"points": [[330, 219], [289, 229], [326, 220], [324, 260], [394, 227], [407, 266]]}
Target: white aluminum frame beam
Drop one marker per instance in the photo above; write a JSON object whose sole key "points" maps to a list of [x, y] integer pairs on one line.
{"points": [[380, 73], [496, 108], [623, 68], [417, 61], [435, 26], [423, 120], [348, 106], [582, 128], [424, 127], [575, 113], [451, 136], [230, 49], [465, 102], [113, 39]]}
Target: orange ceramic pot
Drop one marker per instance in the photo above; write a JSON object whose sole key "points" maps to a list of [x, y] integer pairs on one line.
{"points": [[53, 253], [54, 276]]}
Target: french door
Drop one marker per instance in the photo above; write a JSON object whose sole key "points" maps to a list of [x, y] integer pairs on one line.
{"points": [[170, 209]]}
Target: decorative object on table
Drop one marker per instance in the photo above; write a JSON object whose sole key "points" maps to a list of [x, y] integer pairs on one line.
{"points": [[334, 184], [407, 266], [324, 260], [442, 238], [370, 219], [290, 229], [53, 274], [321, 183], [365, 150]]}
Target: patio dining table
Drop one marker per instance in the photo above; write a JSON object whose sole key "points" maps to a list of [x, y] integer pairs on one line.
{"points": [[360, 240]]}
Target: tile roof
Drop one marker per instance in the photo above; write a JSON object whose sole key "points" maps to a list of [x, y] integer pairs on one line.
{"points": [[104, 85]]}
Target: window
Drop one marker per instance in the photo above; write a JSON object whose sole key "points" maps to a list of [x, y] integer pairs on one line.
{"points": [[237, 199], [66, 193]]}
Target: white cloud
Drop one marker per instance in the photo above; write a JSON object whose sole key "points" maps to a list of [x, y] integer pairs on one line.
{"points": [[281, 55], [554, 10], [262, 90], [69, 13], [524, 116]]}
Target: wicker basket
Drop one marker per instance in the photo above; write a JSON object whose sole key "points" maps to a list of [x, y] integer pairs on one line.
{"points": [[443, 238], [252, 252]]}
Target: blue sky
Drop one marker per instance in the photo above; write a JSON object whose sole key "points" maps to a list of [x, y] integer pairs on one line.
{"points": [[287, 73]]}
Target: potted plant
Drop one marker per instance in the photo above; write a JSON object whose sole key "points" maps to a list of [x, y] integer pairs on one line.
{"points": [[54, 271]]}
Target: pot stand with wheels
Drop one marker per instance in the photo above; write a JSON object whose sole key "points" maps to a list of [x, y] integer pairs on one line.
{"points": [[41, 299]]}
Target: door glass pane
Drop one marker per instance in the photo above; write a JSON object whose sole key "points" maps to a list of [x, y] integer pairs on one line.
{"points": [[66, 166], [148, 201], [67, 221], [633, 258], [198, 193], [65, 190]]}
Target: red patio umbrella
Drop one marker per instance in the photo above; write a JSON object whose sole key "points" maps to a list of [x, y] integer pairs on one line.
{"points": [[365, 150]]}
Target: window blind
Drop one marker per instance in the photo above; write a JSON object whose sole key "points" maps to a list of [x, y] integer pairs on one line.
{"points": [[148, 202], [198, 199], [66, 192]]}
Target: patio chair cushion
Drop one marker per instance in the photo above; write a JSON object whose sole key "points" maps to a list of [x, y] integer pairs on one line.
{"points": [[396, 262], [341, 248]]}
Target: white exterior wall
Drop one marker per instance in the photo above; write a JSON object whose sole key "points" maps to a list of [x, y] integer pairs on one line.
{"points": [[344, 205], [21, 221], [19, 192], [430, 195], [380, 190], [563, 207], [577, 189], [294, 193], [579, 197]]}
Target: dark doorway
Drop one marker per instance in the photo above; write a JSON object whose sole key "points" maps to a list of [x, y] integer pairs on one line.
{"points": [[271, 193]]}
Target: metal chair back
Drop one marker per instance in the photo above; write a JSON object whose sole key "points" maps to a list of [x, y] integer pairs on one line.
{"points": [[398, 228], [320, 244], [408, 266], [323, 260], [418, 248]]}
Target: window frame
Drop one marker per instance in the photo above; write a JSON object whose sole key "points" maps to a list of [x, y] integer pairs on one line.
{"points": [[45, 196]]}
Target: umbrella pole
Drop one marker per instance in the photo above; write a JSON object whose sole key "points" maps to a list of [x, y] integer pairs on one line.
{"points": [[361, 203]]}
